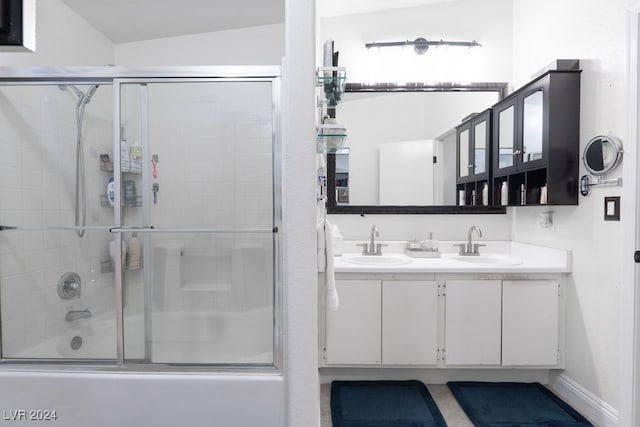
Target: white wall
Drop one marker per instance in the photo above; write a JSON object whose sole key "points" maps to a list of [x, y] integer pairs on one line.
{"points": [[62, 38], [262, 45], [489, 22], [594, 32], [299, 216], [408, 227]]}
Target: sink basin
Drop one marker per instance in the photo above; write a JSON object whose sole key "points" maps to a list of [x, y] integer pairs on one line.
{"points": [[488, 260], [394, 259]]}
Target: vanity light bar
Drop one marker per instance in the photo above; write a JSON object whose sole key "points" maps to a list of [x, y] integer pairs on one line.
{"points": [[421, 45]]}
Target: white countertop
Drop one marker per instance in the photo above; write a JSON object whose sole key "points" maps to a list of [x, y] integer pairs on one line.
{"points": [[530, 258]]}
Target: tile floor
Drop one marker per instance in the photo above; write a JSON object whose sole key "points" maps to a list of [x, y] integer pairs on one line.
{"points": [[451, 411]]}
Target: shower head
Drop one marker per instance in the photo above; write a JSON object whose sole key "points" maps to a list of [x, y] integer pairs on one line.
{"points": [[87, 96], [82, 96], [77, 91]]}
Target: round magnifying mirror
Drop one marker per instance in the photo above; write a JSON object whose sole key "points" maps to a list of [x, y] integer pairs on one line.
{"points": [[602, 154]]}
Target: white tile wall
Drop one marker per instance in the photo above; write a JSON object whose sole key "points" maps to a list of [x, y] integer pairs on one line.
{"points": [[214, 145], [215, 169]]}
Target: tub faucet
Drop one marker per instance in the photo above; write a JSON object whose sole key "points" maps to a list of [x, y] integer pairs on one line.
{"points": [[77, 314], [372, 248], [470, 248]]}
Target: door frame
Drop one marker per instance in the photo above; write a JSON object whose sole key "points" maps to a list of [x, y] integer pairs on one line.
{"points": [[629, 374]]}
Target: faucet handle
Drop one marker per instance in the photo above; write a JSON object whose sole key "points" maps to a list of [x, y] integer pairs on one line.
{"points": [[462, 247], [365, 248], [476, 248], [379, 247]]}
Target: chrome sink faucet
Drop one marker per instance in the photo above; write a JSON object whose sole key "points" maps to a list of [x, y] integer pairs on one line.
{"points": [[470, 248], [372, 248]]}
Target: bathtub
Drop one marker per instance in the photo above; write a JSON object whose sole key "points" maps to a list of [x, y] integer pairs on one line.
{"points": [[109, 399], [84, 396]]}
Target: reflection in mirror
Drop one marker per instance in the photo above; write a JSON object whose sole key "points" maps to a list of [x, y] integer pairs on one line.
{"points": [[342, 176], [506, 137], [532, 126], [464, 153], [401, 146], [602, 154], [480, 147]]}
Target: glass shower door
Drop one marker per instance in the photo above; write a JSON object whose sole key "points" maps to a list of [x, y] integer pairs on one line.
{"points": [[197, 191], [56, 286]]}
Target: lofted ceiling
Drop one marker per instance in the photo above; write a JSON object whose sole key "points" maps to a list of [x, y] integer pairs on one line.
{"points": [[124, 21], [327, 8]]}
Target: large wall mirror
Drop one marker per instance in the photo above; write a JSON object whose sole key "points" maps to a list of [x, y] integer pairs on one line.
{"points": [[401, 155]]}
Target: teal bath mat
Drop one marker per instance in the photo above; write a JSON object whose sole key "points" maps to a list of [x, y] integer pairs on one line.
{"points": [[514, 405], [383, 403]]}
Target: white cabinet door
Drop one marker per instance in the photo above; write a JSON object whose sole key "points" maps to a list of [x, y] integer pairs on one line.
{"points": [[409, 322], [472, 322], [530, 323], [354, 330]]}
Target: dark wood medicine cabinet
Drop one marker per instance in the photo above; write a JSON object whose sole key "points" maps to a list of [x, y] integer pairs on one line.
{"points": [[533, 150]]}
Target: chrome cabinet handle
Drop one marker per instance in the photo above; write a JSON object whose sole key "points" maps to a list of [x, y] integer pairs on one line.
{"points": [[516, 152]]}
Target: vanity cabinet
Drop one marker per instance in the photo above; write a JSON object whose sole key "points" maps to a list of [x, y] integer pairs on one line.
{"points": [[535, 142], [454, 321], [383, 322], [472, 322], [353, 331], [409, 322], [473, 156], [530, 323], [502, 323]]}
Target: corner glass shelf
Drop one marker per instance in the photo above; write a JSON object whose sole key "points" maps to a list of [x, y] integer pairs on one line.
{"points": [[330, 143], [333, 81], [337, 75]]}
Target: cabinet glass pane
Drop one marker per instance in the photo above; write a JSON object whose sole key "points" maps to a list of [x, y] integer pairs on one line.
{"points": [[480, 147], [506, 137], [532, 127], [464, 153]]}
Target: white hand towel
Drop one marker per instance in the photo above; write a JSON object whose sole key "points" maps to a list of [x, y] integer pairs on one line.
{"points": [[321, 247], [331, 296]]}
